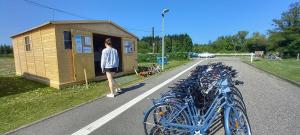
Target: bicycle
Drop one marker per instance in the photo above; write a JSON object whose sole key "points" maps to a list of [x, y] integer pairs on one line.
{"points": [[174, 114]]}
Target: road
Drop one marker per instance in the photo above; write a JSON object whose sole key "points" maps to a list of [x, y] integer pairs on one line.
{"points": [[273, 106]]}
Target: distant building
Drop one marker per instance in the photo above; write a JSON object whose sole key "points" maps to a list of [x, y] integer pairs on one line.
{"points": [[57, 52]]}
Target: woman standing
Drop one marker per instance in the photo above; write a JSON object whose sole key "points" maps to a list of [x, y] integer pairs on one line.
{"points": [[109, 65]]}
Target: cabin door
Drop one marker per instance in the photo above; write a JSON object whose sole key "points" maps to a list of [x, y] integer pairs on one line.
{"points": [[83, 56]]}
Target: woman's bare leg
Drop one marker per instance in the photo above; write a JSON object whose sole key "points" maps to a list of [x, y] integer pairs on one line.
{"points": [[110, 82], [115, 84]]}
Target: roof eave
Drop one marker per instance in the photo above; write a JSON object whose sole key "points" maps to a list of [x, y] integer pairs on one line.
{"points": [[36, 27], [75, 22]]}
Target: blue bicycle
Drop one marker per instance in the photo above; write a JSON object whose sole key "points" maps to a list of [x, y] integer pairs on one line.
{"points": [[177, 113]]}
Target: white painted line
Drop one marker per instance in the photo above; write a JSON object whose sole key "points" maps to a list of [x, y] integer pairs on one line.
{"points": [[103, 120]]}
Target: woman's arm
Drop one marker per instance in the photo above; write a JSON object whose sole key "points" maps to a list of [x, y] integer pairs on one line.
{"points": [[103, 58], [117, 59]]}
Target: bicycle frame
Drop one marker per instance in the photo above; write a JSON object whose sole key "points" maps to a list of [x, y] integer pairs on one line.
{"points": [[202, 123], [194, 104]]}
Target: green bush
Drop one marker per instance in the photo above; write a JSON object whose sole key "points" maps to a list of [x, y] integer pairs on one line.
{"points": [[146, 57], [171, 56], [178, 56]]}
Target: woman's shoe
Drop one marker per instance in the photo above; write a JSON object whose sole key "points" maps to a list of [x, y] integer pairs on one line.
{"points": [[110, 95]]}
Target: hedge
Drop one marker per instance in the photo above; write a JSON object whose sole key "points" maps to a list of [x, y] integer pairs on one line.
{"points": [[171, 56]]}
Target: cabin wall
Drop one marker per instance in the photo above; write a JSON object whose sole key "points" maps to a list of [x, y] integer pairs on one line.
{"points": [[65, 58], [16, 57], [104, 28], [40, 63], [49, 62], [129, 60]]}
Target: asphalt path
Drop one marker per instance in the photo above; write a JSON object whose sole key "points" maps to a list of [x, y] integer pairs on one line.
{"points": [[273, 105]]}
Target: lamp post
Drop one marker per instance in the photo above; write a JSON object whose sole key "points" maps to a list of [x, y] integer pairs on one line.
{"points": [[163, 38]]}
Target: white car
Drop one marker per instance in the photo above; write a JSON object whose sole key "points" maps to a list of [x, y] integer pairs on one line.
{"points": [[206, 55]]}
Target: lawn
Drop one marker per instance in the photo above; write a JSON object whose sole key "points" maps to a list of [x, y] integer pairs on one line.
{"points": [[23, 101], [286, 68], [171, 64]]}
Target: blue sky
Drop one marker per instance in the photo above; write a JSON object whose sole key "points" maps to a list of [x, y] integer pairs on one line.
{"points": [[203, 20]]}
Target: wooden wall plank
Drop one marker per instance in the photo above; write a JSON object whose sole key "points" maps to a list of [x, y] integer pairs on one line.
{"points": [[50, 60], [17, 57], [41, 61]]}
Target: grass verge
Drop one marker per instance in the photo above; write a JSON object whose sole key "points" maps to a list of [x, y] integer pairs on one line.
{"points": [[288, 69], [23, 101], [171, 64]]}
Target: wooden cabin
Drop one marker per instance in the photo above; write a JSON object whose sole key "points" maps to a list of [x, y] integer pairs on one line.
{"points": [[58, 52]]}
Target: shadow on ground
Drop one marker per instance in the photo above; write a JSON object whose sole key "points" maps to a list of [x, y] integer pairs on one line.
{"points": [[216, 126], [16, 85], [134, 87]]}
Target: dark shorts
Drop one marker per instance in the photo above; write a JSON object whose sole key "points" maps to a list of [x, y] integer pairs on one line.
{"points": [[111, 69]]}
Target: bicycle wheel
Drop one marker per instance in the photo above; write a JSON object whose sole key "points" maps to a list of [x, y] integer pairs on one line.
{"points": [[235, 98], [236, 121], [157, 118], [237, 91]]}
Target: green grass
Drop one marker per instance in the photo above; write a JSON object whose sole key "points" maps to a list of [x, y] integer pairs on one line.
{"points": [[7, 55], [286, 68], [7, 67], [171, 64], [23, 101]]}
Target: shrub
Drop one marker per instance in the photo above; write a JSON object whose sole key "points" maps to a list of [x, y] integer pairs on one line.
{"points": [[178, 56], [146, 57], [171, 56]]}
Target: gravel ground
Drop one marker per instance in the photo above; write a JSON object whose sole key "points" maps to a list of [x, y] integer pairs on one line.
{"points": [[273, 106]]}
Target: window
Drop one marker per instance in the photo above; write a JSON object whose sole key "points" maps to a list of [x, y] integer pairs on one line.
{"points": [[83, 44], [87, 44], [78, 45], [67, 40], [27, 43], [128, 46]]}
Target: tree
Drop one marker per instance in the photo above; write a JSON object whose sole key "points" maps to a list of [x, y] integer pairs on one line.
{"points": [[5, 49], [1, 49], [144, 47], [200, 48], [241, 40], [173, 43], [290, 18], [285, 37], [145, 44], [258, 42], [224, 44]]}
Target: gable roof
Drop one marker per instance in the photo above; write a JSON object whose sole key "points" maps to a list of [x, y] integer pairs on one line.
{"points": [[76, 22]]}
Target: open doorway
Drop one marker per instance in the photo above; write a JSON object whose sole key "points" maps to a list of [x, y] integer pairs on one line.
{"points": [[98, 42]]}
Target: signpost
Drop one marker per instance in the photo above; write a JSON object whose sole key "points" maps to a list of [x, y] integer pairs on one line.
{"points": [[163, 38]]}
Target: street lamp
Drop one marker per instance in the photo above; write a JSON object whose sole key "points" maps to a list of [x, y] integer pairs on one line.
{"points": [[163, 38]]}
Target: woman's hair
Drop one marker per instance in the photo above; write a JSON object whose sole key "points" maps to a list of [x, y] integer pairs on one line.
{"points": [[108, 41]]}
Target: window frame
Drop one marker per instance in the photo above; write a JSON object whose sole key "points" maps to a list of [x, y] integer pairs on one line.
{"points": [[67, 42], [27, 43]]}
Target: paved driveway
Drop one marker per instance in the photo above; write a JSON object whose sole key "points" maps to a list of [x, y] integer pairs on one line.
{"points": [[273, 106]]}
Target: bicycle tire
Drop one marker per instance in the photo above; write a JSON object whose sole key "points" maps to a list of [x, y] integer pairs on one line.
{"points": [[156, 123], [227, 124], [237, 99], [235, 89]]}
